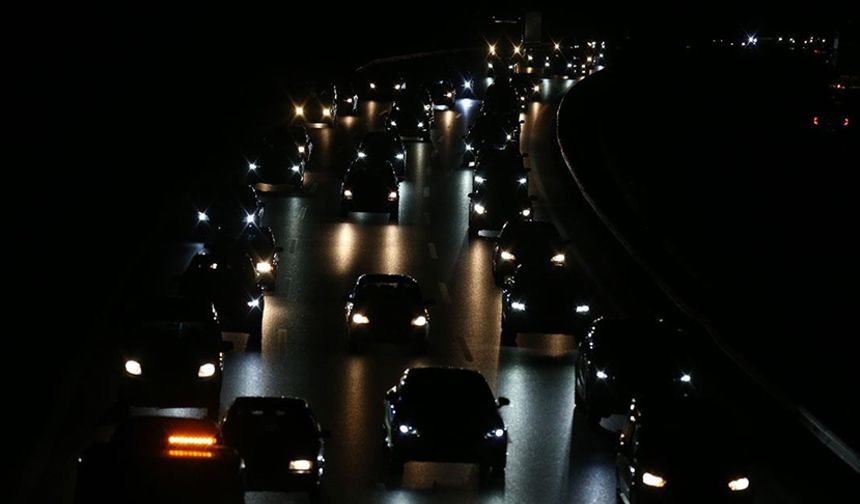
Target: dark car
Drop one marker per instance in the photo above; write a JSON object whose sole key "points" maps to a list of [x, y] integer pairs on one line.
{"points": [[505, 164], [347, 98], [381, 86], [370, 186], [544, 299], [488, 133], [527, 87], [444, 93], [621, 359], [229, 280], [501, 99], [304, 145], [278, 159], [526, 242], [170, 364], [160, 459], [259, 244], [691, 451], [314, 104], [280, 441], [438, 414], [496, 202], [387, 308], [384, 146], [225, 210], [412, 114]]}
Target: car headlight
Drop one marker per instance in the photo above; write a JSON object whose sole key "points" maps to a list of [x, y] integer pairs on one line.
{"points": [[739, 485], [252, 166], [495, 434], [419, 321], [526, 212], [536, 89], [359, 319], [489, 65], [508, 137], [397, 87], [518, 306], [426, 107], [479, 179], [517, 49], [133, 368], [522, 180], [420, 124], [601, 374], [301, 465], [300, 110], [546, 63], [326, 112], [522, 98], [469, 147], [361, 155], [399, 156], [372, 85], [393, 123], [249, 219], [492, 49], [407, 430], [467, 84], [264, 267], [479, 209], [569, 65], [559, 259], [347, 194], [295, 168], [206, 370], [686, 378], [449, 94], [349, 100], [301, 149], [507, 256], [254, 303], [583, 308], [202, 217], [392, 196], [653, 480]]}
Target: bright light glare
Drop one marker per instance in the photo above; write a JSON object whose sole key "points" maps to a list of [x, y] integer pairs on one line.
{"points": [[518, 306], [507, 256], [300, 110], [536, 89], [347, 194], [295, 168], [254, 303], [349, 100], [739, 484], [191, 440], [249, 219], [397, 87], [399, 156], [493, 49], [372, 85], [557, 46], [360, 319], [508, 136], [213, 266], [516, 49], [264, 267], [526, 212], [583, 308], [419, 321], [206, 370], [468, 147], [479, 209], [653, 480], [522, 180], [392, 196], [301, 465], [301, 149], [601, 375], [394, 123], [467, 84], [326, 112], [420, 124], [449, 94], [361, 155], [498, 432], [558, 259], [686, 378], [479, 179], [252, 166], [202, 217], [132, 367]]}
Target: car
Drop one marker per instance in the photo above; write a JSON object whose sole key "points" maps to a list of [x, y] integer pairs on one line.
{"points": [[223, 209], [347, 98], [229, 280], [381, 86], [443, 414], [544, 299], [527, 87], [494, 164], [384, 307], [443, 93], [526, 242], [488, 133], [278, 160], [259, 244], [686, 451], [160, 459], [497, 201], [280, 441], [314, 104], [501, 99], [172, 364], [370, 186], [411, 115], [625, 358], [384, 146]]}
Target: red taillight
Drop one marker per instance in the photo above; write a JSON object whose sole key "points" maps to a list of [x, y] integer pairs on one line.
{"points": [[845, 122], [815, 120]]}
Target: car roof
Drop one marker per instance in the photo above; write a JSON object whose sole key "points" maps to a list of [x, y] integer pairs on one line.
{"points": [[254, 403], [386, 278]]}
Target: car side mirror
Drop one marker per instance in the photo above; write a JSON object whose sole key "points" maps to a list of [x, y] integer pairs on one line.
{"points": [[279, 249], [429, 302], [325, 433], [227, 346], [503, 401]]}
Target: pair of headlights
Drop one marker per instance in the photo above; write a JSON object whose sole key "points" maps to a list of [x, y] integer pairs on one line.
{"points": [[481, 210], [361, 319], [653, 480], [134, 368], [508, 256]]}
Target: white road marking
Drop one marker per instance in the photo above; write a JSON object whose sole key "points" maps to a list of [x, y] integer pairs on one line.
{"points": [[303, 212]]}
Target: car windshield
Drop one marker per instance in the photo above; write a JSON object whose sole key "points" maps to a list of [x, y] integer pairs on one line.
{"points": [[295, 421], [388, 293], [529, 233], [370, 171], [446, 391]]}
